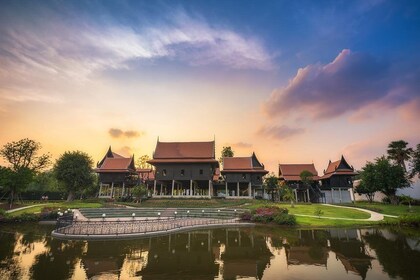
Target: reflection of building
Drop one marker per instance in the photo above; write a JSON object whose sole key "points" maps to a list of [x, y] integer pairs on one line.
{"points": [[245, 255], [290, 174], [243, 177], [184, 169], [350, 250], [337, 181], [117, 174], [310, 249]]}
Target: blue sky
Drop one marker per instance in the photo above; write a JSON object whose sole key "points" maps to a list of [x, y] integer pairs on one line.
{"points": [[294, 81]]}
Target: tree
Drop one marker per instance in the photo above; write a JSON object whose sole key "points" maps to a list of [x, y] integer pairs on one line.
{"points": [[398, 151], [306, 177], [24, 164], [44, 182], [139, 192], [368, 184], [142, 162], [74, 171], [271, 184], [390, 178], [415, 163], [226, 152], [287, 194]]}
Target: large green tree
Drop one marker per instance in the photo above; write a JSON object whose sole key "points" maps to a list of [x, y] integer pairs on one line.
{"points": [[390, 178], [368, 184], [74, 171], [306, 177], [398, 152], [24, 163], [271, 184], [415, 163], [226, 152]]}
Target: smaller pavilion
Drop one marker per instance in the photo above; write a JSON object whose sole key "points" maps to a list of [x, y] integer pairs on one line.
{"points": [[243, 177], [117, 175], [337, 181], [290, 175]]}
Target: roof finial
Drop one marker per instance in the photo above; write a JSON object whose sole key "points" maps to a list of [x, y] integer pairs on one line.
{"points": [[158, 139]]}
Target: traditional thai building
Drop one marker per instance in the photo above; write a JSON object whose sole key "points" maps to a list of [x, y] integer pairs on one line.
{"points": [[243, 177], [147, 177], [184, 169], [290, 174], [337, 181], [117, 175]]}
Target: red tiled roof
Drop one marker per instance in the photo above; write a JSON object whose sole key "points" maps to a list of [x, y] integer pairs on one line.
{"points": [[185, 160], [339, 167], [115, 164], [243, 164], [184, 150], [291, 172]]}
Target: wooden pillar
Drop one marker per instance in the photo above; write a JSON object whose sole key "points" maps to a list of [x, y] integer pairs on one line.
{"points": [[191, 183], [123, 189], [332, 195], [154, 188], [173, 185], [112, 189], [339, 191], [237, 188], [209, 188], [249, 189], [226, 191], [307, 192], [296, 197], [161, 187], [100, 189]]}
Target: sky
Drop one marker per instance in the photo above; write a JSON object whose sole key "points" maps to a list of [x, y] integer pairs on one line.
{"points": [[294, 81]]}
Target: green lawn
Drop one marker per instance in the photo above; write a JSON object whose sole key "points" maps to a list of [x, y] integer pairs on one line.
{"points": [[329, 211], [388, 209], [56, 205]]}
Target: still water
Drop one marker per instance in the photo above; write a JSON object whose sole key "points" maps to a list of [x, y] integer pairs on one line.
{"points": [[28, 252]]}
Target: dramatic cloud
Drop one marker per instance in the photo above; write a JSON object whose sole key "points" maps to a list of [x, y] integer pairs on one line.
{"points": [[352, 82], [279, 132], [118, 133], [75, 47]]}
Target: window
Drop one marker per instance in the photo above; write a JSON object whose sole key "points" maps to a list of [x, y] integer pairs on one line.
{"points": [[182, 172], [201, 171], [243, 176], [258, 178], [164, 172]]}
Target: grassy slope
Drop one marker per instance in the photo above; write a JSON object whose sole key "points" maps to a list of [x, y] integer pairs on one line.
{"points": [[62, 205], [388, 209]]}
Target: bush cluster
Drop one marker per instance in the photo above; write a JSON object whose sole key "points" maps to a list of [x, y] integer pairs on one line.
{"points": [[410, 220], [269, 214]]}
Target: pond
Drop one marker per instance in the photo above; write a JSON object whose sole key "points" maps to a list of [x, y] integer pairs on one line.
{"points": [[27, 251]]}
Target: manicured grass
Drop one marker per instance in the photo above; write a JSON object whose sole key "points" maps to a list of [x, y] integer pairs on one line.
{"points": [[388, 209], [56, 205], [190, 203], [316, 222], [328, 211]]}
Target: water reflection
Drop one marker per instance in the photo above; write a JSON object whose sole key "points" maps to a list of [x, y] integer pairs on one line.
{"points": [[28, 252]]}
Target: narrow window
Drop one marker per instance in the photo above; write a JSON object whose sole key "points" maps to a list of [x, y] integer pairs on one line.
{"points": [[164, 172], [258, 178], [201, 171], [182, 172], [243, 175]]}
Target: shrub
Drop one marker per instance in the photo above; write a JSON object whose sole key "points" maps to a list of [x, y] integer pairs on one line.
{"points": [[410, 220], [246, 216], [285, 219], [261, 219], [267, 214]]}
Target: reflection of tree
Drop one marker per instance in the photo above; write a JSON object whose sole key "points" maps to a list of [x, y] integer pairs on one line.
{"points": [[58, 261], [396, 256], [8, 267]]}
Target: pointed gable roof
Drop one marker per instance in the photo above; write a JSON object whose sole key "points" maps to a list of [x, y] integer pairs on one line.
{"points": [[184, 152], [243, 164], [113, 162], [291, 172], [339, 167]]}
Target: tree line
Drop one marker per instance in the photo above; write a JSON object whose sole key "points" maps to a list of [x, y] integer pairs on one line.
{"points": [[389, 173]]}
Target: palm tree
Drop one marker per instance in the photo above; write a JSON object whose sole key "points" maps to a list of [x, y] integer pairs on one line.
{"points": [[398, 151]]}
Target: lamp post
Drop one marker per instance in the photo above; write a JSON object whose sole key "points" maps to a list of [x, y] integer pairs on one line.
{"points": [[188, 213], [175, 213], [103, 216], [133, 215], [158, 215]]}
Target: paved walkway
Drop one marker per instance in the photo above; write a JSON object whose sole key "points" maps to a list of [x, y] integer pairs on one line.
{"points": [[26, 207], [374, 216]]}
